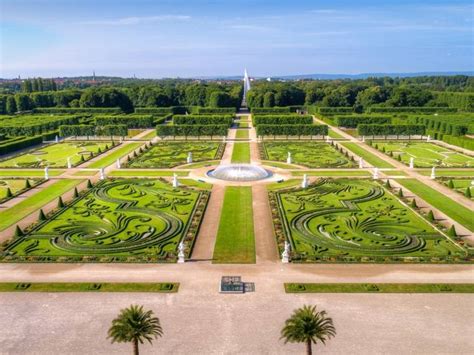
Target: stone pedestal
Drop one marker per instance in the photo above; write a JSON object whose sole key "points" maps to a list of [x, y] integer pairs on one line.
{"points": [[46, 173], [305, 182], [69, 164], [118, 164], [375, 174], [175, 180], [102, 174], [433, 173], [412, 163]]}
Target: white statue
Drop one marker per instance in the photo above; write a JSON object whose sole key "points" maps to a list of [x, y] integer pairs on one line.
{"points": [[190, 158], [285, 256], [428, 138], [363, 139], [433, 173], [118, 164], [375, 175], [69, 164], [223, 139], [412, 162], [175, 180], [181, 252], [305, 182], [361, 163], [288, 158], [46, 173], [56, 139], [102, 174]]}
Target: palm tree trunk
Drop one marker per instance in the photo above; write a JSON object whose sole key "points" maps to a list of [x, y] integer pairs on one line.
{"points": [[309, 350], [135, 347]]}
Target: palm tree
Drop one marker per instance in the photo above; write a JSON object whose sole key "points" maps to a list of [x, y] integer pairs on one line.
{"points": [[133, 324], [307, 325]]}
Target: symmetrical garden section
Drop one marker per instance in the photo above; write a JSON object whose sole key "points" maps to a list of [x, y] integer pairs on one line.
{"points": [[343, 220], [171, 154], [56, 155], [425, 154], [309, 154], [11, 187], [122, 220]]}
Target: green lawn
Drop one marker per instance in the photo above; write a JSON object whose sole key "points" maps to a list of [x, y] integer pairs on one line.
{"points": [[171, 154], [235, 241], [32, 203], [284, 184], [55, 155], [310, 154], [194, 183], [323, 173], [157, 173], [334, 134], [460, 185], [425, 154], [159, 287], [280, 165], [150, 135], [378, 288], [354, 220], [16, 186], [242, 134], [367, 156], [120, 220], [29, 172], [111, 158], [447, 172], [243, 124], [454, 210], [241, 153]]}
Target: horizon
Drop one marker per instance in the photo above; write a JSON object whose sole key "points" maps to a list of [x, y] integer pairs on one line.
{"points": [[189, 39]]}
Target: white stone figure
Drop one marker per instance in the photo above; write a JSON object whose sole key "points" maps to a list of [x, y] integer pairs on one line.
{"points": [[175, 180], [328, 139], [69, 164], [46, 173], [118, 164], [375, 175], [189, 158], [121, 139], [288, 158], [305, 182], [412, 162], [181, 252], [285, 256], [433, 173], [223, 139], [56, 139], [472, 183], [363, 139], [428, 138], [361, 163], [102, 174]]}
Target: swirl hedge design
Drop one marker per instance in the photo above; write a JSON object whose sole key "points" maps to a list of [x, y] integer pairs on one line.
{"points": [[128, 220], [310, 154], [357, 220]]}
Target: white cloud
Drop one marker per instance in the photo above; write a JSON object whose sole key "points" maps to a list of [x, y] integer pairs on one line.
{"points": [[136, 20]]}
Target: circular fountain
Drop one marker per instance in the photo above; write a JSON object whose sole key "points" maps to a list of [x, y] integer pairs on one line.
{"points": [[239, 172]]}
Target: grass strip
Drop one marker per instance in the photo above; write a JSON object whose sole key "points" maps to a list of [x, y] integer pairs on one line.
{"points": [[378, 288], [195, 183], [334, 134], [29, 173], [130, 172], [443, 203], [280, 165], [367, 156], [161, 287], [363, 173], [447, 172], [241, 153], [34, 202], [109, 159], [284, 184], [235, 241], [242, 134]]}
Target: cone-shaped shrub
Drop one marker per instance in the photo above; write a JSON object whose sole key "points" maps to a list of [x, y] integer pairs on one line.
{"points": [[91, 155], [9, 192], [452, 231], [451, 184], [430, 217], [468, 192], [376, 146], [383, 149], [18, 231], [399, 157], [41, 216], [76, 193], [99, 150], [89, 184], [27, 184], [128, 158], [387, 184], [106, 146], [400, 193], [82, 158], [413, 203], [60, 202]]}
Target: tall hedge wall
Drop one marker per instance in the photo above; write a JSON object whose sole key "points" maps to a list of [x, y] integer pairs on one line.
{"points": [[282, 119], [23, 142], [460, 100], [291, 130], [191, 130], [271, 110], [426, 110], [390, 130], [79, 110], [203, 119], [32, 125], [353, 121], [132, 121]]}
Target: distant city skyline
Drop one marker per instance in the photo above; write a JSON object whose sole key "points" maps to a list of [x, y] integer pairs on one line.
{"points": [[154, 39]]}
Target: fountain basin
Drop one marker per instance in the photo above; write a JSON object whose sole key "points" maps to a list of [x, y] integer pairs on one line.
{"points": [[239, 172]]}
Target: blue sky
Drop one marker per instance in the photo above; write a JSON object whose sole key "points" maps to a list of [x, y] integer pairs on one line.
{"points": [[220, 37]]}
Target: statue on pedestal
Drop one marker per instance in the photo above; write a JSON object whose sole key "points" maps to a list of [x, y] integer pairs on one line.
{"points": [[102, 174], [305, 182], [181, 252], [46, 173], [175, 180], [288, 159], [375, 175], [69, 164], [433, 173], [285, 256]]}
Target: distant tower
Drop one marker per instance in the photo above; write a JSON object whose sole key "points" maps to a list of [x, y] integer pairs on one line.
{"points": [[246, 88], [93, 76]]}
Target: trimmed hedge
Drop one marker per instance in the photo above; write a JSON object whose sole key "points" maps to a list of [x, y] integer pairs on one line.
{"points": [[282, 119], [203, 119], [460, 100], [215, 110], [270, 110], [77, 110], [427, 110], [330, 111], [11, 146], [192, 130], [458, 125], [388, 130], [77, 130], [160, 111], [353, 121], [33, 125], [291, 130], [131, 121]]}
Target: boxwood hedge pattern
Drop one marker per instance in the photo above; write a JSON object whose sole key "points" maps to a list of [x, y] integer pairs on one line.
{"points": [[121, 220], [171, 154], [310, 154], [343, 220]]}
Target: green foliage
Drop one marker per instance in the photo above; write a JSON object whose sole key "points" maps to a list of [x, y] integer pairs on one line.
{"points": [[203, 119], [389, 129], [60, 202], [31, 125], [460, 100], [411, 109], [430, 216], [79, 110], [350, 121], [452, 231], [18, 232], [270, 111], [291, 130], [192, 130], [282, 119], [467, 193], [41, 216], [19, 143], [131, 121]]}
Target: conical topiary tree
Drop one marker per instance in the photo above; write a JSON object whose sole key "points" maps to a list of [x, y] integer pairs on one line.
{"points": [[76, 193], [452, 231], [430, 216], [467, 193], [89, 184], [60, 202], [18, 231], [413, 204], [9, 192], [451, 184], [27, 184], [41, 216], [400, 192], [387, 184]]}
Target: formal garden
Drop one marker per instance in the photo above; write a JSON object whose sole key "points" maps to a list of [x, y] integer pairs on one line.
{"points": [[11, 187], [344, 220], [425, 154], [464, 186], [119, 220], [172, 154], [309, 154], [56, 155]]}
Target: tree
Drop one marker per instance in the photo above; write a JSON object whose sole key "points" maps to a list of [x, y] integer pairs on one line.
{"points": [[10, 106], [135, 325], [269, 99], [307, 325]]}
